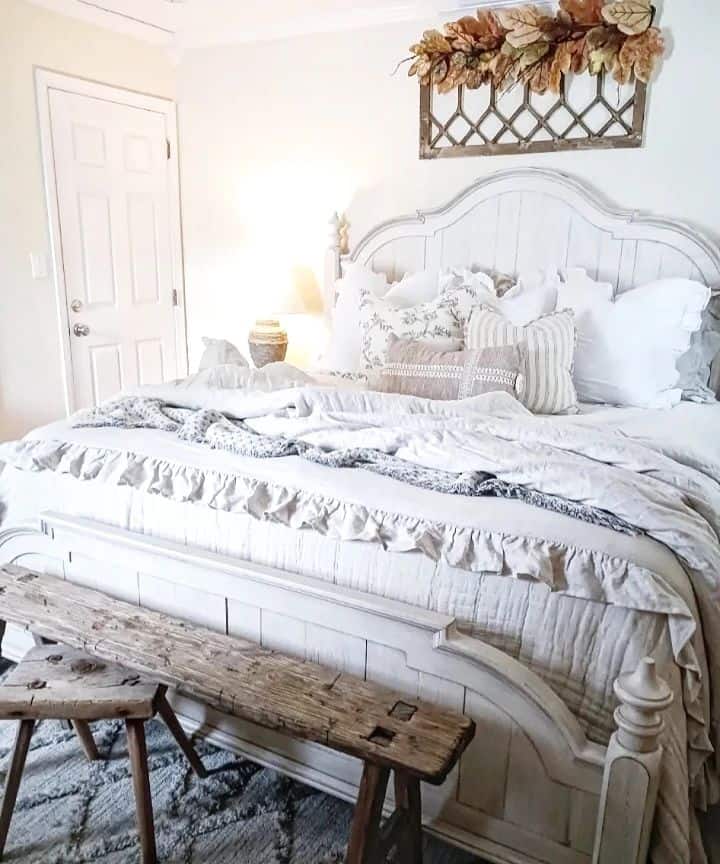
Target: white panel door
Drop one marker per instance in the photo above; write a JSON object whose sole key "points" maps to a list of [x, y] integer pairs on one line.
{"points": [[113, 195]]}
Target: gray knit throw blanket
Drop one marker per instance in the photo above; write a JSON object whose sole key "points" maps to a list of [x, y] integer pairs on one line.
{"points": [[213, 429]]}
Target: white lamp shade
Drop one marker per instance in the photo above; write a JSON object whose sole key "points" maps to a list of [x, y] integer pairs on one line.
{"points": [[301, 295]]}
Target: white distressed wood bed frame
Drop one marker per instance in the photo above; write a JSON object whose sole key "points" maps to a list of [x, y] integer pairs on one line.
{"points": [[531, 788]]}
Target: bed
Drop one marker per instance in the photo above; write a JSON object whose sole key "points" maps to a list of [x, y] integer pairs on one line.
{"points": [[522, 616]]}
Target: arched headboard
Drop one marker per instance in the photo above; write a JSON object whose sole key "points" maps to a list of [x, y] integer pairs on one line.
{"points": [[529, 218]]}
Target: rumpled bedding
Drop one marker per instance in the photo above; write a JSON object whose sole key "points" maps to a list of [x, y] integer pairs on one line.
{"points": [[669, 492], [215, 429]]}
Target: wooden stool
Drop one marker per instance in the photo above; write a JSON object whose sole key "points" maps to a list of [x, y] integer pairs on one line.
{"points": [[53, 682]]}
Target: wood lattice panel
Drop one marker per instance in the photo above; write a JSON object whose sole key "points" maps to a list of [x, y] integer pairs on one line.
{"points": [[589, 112]]}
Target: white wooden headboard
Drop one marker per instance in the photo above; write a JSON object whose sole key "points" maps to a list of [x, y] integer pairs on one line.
{"points": [[528, 218], [532, 217]]}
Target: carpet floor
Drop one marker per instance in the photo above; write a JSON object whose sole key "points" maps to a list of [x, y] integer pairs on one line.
{"points": [[70, 810]]}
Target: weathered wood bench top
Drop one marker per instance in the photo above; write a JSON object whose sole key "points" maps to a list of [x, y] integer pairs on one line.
{"points": [[238, 677], [63, 683]]}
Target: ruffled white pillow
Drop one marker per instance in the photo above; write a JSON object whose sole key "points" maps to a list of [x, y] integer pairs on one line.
{"points": [[629, 344], [414, 289]]}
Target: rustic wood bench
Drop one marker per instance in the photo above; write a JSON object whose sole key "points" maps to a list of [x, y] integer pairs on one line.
{"points": [[388, 732]]}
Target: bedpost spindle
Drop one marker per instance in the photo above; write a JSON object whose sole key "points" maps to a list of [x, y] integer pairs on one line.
{"points": [[632, 768], [333, 270]]}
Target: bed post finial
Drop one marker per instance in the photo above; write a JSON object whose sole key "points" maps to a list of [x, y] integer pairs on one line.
{"points": [[339, 233], [337, 247], [334, 235], [632, 767]]}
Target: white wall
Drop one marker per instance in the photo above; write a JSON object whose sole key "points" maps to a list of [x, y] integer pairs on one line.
{"points": [[30, 377], [275, 136]]}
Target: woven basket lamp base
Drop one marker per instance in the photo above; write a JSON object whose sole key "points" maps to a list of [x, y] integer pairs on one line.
{"points": [[267, 342]]}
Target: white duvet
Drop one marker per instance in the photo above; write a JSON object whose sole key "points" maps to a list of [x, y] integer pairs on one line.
{"points": [[660, 471]]}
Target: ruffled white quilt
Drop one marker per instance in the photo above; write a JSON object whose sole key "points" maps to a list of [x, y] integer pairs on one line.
{"points": [[668, 488]]}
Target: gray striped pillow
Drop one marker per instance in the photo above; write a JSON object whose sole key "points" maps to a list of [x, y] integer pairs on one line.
{"points": [[549, 354]]}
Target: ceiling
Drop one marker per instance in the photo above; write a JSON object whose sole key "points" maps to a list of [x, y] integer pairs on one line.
{"points": [[205, 22]]}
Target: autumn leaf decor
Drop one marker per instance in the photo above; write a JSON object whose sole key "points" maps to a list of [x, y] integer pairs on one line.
{"points": [[527, 45]]}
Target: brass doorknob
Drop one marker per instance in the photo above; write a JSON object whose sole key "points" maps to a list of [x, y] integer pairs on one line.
{"points": [[81, 330]]}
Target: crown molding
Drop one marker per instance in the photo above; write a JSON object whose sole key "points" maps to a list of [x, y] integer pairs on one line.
{"points": [[183, 24], [154, 21], [199, 28]]}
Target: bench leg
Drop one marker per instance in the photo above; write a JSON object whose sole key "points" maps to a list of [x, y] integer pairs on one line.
{"points": [[365, 830], [178, 733], [407, 799], [12, 781], [82, 730], [141, 784]]}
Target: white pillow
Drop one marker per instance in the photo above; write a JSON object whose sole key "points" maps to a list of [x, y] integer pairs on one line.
{"points": [[629, 344], [550, 346], [533, 294], [414, 289], [220, 352], [438, 323], [272, 376], [343, 353]]}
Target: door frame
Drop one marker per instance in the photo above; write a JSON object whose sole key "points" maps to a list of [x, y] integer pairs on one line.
{"points": [[45, 81]]}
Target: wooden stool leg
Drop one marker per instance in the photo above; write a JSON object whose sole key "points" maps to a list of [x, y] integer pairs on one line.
{"points": [[407, 799], [82, 730], [12, 781], [141, 783], [178, 733], [365, 830]]}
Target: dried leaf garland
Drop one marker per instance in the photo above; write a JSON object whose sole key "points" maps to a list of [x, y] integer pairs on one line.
{"points": [[583, 12], [524, 25], [631, 17], [524, 44], [637, 56], [483, 32]]}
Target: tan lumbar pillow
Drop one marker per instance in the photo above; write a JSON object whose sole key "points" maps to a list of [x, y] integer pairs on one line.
{"points": [[414, 369]]}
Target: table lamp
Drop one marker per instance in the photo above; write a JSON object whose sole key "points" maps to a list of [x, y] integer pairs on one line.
{"points": [[268, 341]]}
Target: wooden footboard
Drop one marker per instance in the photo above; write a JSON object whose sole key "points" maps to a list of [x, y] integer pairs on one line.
{"points": [[530, 788]]}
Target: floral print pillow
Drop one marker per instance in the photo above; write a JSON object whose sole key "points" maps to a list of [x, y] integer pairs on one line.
{"points": [[439, 323]]}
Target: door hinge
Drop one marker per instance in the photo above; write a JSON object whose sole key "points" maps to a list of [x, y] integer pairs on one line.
{"points": [[175, 297], [167, 142]]}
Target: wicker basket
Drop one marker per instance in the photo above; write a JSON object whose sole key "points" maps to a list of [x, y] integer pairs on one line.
{"points": [[267, 342]]}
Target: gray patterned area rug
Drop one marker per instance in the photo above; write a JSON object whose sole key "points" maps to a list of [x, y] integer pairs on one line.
{"points": [[70, 810]]}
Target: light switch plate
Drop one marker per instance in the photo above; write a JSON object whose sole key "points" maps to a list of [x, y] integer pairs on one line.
{"points": [[38, 265]]}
